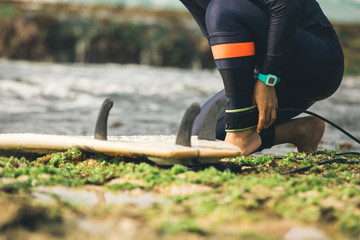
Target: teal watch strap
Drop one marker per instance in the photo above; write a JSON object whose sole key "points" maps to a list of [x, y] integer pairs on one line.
{"points": [[269, 79]]}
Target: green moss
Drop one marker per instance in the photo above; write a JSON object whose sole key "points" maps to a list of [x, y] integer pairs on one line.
{"points": [[172, 227], [252, 235], [124, 186], [255, 195], [8, 11], [213, 177], [349, 223], [178, 169]]}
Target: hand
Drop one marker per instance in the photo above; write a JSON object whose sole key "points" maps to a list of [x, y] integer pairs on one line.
{"points": [[267, 103]]}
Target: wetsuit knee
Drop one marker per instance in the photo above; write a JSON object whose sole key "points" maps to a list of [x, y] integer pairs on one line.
{"points": [[223, 21]]}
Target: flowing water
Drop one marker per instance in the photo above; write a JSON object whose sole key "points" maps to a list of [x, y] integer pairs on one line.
{"points": [[65, 99]]}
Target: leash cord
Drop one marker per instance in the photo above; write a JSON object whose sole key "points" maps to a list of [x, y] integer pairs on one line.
{"points": [[322, 118], [335, 160]]}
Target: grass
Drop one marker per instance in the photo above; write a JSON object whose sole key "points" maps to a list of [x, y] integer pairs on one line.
{"points": [[245, 198]]}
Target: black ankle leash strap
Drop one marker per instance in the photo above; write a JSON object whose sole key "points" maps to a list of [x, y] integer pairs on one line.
{"points": [[241, 119]]}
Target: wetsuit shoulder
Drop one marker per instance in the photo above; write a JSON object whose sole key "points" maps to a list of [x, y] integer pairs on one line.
{"points": [[285, 17]]}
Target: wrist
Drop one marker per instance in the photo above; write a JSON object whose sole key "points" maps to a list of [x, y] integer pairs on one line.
{"points": [[269, 80]]}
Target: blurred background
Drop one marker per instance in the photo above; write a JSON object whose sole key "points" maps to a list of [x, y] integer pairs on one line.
{"points": [[60, 59], [150, 32]]}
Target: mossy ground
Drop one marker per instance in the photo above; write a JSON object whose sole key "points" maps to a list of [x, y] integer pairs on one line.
{"points": [[243, 198]]}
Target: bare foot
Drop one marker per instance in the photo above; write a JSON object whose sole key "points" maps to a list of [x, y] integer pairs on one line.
{"points": [[305, 133], [248, 141], [309, 134]]}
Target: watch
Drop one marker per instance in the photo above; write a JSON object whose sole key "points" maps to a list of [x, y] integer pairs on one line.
{"points": [[269, 79]]}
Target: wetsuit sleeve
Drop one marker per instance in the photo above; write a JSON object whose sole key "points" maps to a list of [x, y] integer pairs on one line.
{"points": [[198, 14], [284, 18]]}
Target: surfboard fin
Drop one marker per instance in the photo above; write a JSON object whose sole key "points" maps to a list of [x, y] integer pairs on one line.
{"points": [[208, 127], [184, 133], [101, 123]]}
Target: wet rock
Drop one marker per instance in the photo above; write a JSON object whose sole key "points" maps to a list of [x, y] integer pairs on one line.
{"points": [[305, 233], [184, 189]]}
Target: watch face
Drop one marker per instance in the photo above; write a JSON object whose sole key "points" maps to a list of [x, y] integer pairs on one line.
{"points": [[271, 80]]}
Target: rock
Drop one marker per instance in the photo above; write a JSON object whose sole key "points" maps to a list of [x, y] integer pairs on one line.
{"points": [[305, 233]]}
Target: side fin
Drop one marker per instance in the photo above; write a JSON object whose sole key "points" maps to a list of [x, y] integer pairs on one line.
{"points": [[208, 127], [184, 133], [101, 123]]}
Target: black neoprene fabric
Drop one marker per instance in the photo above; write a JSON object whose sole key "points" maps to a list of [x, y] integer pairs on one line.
{"points": [[293, 39]]}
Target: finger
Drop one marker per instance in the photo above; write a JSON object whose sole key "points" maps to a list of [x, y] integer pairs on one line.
{"points": [[261, 121], [267, 119], [272, 118]]}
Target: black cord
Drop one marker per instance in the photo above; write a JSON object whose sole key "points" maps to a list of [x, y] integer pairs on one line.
{"points": [[330, 161], [348, 153], [322, 118]]}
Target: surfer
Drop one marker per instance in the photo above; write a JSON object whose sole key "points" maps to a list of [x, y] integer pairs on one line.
{"points": [[270, 54]]}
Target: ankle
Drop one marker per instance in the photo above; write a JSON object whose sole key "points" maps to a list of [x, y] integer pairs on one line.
{"points": [[248, 141]]}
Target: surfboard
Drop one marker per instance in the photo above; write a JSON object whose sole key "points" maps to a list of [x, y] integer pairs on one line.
{"points": [[161, 150]]}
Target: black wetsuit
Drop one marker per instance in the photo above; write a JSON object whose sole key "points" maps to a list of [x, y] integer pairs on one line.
{"points": [[292, 39]]}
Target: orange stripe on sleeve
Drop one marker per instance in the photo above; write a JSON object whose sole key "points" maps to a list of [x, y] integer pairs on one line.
{"points": [[232, 50]]}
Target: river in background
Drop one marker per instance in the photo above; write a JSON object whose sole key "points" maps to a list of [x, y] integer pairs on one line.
{"points": [[337, 10], [65, 99]]}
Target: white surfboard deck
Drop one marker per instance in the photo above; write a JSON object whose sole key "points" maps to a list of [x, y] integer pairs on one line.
{"points": [[160, 149]]}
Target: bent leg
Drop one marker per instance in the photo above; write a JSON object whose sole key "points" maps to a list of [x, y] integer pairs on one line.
{"points": [[305, 133], [314, 73], [233, 47], [315, 67]]}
